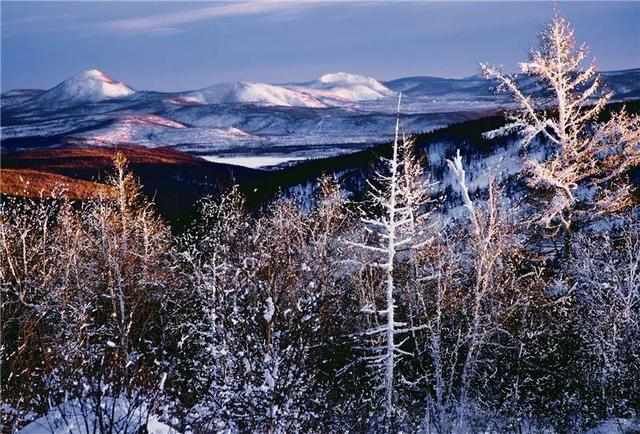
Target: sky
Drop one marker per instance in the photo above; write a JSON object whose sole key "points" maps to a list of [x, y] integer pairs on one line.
{"points": [[172, 46]]}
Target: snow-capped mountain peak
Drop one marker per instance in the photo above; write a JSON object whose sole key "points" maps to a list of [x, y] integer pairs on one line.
{"points": [[255, 93], [351, 87], [87, 86], [330, 90], [94, 74]]}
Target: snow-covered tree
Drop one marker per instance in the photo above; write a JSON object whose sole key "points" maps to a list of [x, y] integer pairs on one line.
{"points": [[563, 110], [87, 285], [468, 289], [260, 282], [604, 275], [398, 192]]}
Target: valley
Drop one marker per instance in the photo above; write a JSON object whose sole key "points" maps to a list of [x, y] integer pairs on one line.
{"points": [[255, 125]]}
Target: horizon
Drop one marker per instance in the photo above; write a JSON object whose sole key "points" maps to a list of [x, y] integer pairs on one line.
{"points": [[284, 42], [116, 79]]}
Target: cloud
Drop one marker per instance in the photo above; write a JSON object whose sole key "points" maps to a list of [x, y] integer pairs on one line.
{"points": [[172, 20]]}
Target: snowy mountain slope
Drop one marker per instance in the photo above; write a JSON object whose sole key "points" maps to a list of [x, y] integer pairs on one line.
{"points": [[154, 131], [18, 96], [624, 84], [130, 128], [470, 88], [52, 127], [282, 133], [293, 124], [254, 93], [428, 87], [329, 90], [333, 115], [341, 87], [88, 86]]}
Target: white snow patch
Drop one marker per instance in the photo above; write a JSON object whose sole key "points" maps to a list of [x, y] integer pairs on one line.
{"points": [[79, 417], [616, 426], [252, 162]]}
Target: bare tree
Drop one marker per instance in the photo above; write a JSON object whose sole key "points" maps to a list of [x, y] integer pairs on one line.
{"points": [[604, 276], [468, 281], [563, 110], [86, 285], [398, 191]]}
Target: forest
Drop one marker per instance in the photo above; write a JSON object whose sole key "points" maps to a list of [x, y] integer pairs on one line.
{"points": [[396, 313]]}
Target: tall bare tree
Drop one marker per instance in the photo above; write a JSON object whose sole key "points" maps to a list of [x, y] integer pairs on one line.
{"points": [[563, 109], [398, 191]]}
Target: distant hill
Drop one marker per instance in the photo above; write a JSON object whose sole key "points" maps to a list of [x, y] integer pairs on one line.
{"points": [[249, 123], [38, 184]]}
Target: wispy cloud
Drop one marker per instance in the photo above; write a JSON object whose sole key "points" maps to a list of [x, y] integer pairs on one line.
{"points": [[173, 20]]}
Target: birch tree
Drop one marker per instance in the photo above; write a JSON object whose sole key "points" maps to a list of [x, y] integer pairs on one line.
{"points": [[470, 292]]}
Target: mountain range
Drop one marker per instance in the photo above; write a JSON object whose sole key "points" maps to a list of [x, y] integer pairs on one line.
{"points": [[252, 124]]}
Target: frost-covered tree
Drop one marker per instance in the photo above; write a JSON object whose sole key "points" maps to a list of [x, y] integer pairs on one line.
{"points": [[87, 301], [469, 292], [563, 110], [487, 250], [618, 144], [261, 282], [604, 274], [398, 191]]}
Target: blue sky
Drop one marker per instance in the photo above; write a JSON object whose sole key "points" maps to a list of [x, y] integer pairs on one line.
{"points": [[187, 45]]}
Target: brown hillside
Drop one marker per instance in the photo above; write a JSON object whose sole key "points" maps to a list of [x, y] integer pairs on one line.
{"points": [[37, 184], [76, 157], [175, 181]]}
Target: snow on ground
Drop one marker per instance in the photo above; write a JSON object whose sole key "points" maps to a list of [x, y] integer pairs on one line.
{"points": [[79, 417], [616, 426]]}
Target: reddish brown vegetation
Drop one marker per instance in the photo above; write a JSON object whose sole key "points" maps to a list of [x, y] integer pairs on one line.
{"points": [[93, 157], [80, 171], [36, 184]]}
